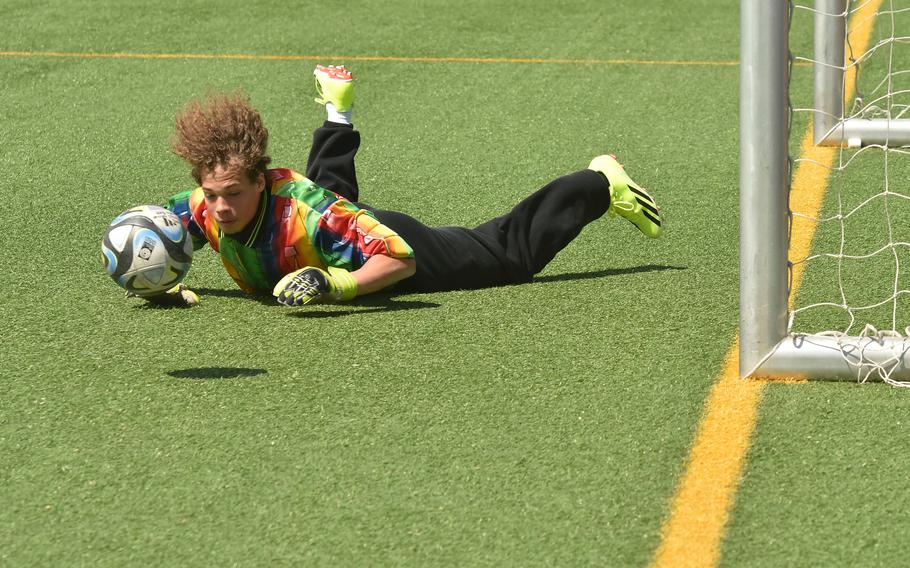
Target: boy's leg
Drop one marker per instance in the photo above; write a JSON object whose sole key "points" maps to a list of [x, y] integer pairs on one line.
{"points": [[331, 161], [544, 223], [505, 250], [335, 144], [514, 247], [549, 219], [448, 258]]}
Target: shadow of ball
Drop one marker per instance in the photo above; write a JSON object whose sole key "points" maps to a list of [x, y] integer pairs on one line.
{"points": [[216, 373]]}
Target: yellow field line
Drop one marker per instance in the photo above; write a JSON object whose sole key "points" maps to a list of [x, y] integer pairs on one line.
{"points": [[343, 58], [701, 506]]}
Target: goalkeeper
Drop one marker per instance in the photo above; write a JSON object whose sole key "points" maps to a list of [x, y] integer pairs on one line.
{"points": [[309, 239]]}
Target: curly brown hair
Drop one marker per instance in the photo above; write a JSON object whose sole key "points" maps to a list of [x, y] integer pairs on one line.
{"points": [[221, 130]]}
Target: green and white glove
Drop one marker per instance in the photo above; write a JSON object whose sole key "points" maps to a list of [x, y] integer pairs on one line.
{"points": [[313, 285], [178, 296]]}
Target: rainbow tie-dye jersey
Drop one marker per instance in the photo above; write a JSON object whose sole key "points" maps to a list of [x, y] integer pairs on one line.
{"points": [[298, 224]]}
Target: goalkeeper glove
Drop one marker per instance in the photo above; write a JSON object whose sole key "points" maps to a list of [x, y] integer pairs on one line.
{"points": [[313, 285], [178, 296]]}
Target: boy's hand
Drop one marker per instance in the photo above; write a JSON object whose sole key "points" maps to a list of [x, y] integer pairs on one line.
{"points": [[178, 296], [313, 285]]}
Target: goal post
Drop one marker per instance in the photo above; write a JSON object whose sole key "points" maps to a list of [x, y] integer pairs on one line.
{"points": [[768, 348], [763, 179]]}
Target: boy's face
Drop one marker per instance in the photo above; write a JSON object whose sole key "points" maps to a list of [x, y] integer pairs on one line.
{"points": [[231, 198]]}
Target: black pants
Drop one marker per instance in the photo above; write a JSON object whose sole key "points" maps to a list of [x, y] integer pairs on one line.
{"points": [[506, 250]]}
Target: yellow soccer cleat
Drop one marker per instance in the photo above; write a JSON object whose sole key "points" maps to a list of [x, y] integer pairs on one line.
{"points": [[627, 198], [334, 85]]}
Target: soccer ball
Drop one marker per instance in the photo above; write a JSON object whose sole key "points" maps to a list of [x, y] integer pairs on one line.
{"points": [[147, 250]]}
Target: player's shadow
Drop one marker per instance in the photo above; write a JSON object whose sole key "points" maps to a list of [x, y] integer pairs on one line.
{"points": [[143, 305], [389, 301], [265, 299], [606, 272], [382, 302], [216, 373]]}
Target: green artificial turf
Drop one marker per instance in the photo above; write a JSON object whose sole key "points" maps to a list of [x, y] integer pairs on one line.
{"points": [[541, 424], [518, 423], [823, 483]]}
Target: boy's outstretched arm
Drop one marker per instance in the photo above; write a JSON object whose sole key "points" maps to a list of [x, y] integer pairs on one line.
{"points": [[380, 272]]}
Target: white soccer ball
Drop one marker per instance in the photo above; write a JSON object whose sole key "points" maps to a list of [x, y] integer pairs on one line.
{"points": [[147, 250]]}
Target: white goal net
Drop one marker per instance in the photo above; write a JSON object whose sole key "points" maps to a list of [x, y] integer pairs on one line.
{"points": [[853, 289]]}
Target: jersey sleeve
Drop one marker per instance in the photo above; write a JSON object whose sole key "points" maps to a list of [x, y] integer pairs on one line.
{"points": [[348, 236], [181, 206]]}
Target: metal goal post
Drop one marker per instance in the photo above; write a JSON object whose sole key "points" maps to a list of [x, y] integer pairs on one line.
{"points": [[766, 348]]}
